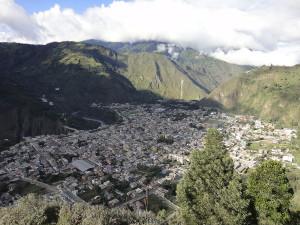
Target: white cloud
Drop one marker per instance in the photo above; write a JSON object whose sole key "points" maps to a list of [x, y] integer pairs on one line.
{"points": [[16, 24], [283, 55], [253, 32]]}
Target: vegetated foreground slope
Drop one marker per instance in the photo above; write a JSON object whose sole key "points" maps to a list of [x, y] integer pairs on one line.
{"points": [[273, 93], [207, 72]]}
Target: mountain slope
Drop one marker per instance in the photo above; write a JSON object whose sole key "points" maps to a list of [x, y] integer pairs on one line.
{"points": [[42, 85], [65, 71], [273, 93], [155, 72], [206, 71]]}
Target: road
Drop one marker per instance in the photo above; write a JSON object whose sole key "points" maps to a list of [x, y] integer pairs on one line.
{"points": [[65, 193], [40, 184], [93, 120], [70, 128]]}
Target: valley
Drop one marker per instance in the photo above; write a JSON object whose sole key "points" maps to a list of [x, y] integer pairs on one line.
{"points": [[114, 124], [149, 112], [145, 154], [48, 88]]}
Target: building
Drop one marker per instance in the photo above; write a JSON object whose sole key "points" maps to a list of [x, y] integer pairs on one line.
{"points": [[82, 165]]}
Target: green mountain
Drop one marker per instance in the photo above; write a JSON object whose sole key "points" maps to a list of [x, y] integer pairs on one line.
{"points": [[155, 72], [207, 72], [273, 93], [43, 85]]}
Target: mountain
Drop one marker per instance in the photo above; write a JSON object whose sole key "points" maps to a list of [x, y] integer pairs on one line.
{"points": [[272, 93], [205, 71], [46, 88], [43, 85], [155, 72]]}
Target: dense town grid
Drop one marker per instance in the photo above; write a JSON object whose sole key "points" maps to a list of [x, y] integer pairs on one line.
{"points": [[151, 137]]}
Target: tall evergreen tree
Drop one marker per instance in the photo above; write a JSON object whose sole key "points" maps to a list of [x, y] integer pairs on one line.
{"points": [[205, 194], [269, 187]]}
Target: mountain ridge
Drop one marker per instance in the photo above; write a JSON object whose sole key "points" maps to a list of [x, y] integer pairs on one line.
{"points": [[207, 71], [272, 93], [43, 85]]}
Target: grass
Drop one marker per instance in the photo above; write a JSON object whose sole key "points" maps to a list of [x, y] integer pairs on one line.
{"points": [[155, 72], [268, 145], [206, 71]]}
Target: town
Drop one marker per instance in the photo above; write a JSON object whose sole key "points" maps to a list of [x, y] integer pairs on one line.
{"points": [[143, 155]]}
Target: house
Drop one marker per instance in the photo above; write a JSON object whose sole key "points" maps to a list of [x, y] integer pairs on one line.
{"points": [[82, 165], [288, 158]]}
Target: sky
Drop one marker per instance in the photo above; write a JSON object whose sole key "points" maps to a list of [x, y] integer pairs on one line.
{"points": [[251, 32], [78, 6]]}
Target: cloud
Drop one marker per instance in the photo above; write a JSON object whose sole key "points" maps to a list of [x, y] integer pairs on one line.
{"points": [[254, 32], [283, 55], [16, 24]]}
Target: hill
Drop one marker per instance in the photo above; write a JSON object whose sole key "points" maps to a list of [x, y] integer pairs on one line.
{"points": [[272, 93], [43, 85], [207, 72]]}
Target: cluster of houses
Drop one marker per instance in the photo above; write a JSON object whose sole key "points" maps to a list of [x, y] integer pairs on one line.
{"points": [[250, 141], [114, 163], [120, 164]]}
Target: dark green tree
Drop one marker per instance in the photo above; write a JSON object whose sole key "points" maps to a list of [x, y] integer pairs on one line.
{"points": [[269, 187], [209, 193], [234, 205]]}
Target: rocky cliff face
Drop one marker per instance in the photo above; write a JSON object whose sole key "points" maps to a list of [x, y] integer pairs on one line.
{"points": [[19, 122]]}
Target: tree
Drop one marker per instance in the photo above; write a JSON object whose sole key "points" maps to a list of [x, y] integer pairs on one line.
{"points": [[269, 187], [234, 205], [30, 210], [205, 192], [33, 210], [162, 214]]}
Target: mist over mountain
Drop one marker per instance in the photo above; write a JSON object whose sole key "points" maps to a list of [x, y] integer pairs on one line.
{"points": [[206, 71]]}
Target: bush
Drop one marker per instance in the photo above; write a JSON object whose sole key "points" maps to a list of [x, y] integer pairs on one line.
{"points": [[33, 210]]}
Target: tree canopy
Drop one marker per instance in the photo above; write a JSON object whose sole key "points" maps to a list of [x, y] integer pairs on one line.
{"points": [[269, 187], [210, 192]]}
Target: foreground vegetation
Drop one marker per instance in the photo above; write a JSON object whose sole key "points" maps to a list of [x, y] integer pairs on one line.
{"points": [[212, 193], [33, 210]]}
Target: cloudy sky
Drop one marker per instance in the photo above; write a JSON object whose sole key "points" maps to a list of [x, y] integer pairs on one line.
{"points": [[255, 32]]}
